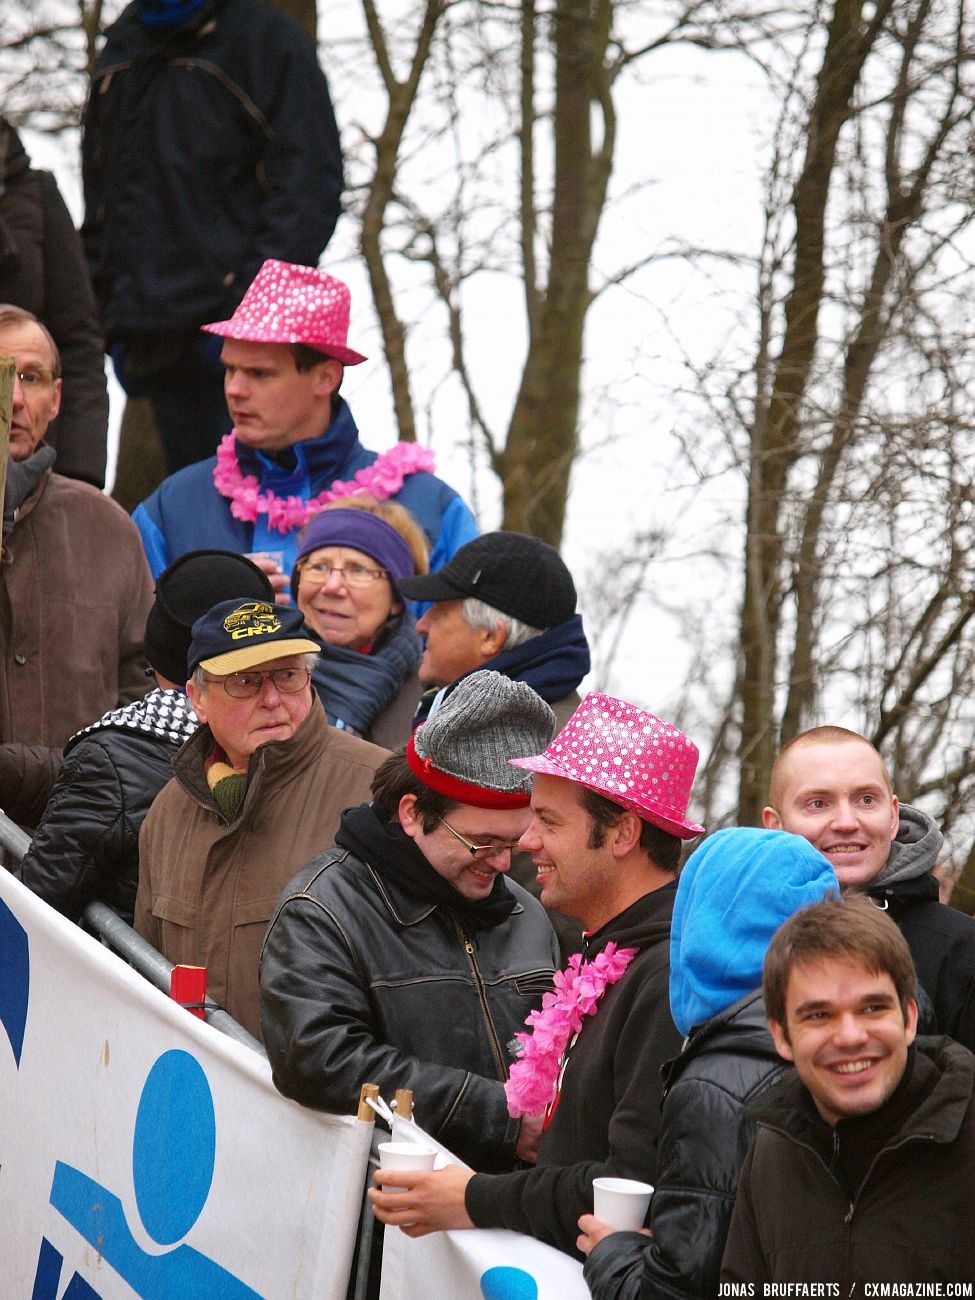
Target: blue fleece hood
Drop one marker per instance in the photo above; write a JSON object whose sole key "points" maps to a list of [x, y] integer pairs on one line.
{"points": [[734, 893]]}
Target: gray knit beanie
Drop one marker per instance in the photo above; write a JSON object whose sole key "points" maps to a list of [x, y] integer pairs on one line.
{"points": [[482, 723]]}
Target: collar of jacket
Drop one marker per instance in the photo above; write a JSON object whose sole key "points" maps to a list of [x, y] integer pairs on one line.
{"points": [[938, 1117], [334, 453], [641, 925], [741, 1028], [33, 497], [271, 766], [407, 909]]}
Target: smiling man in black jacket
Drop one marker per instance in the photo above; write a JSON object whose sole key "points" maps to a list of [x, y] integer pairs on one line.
{"points": [[403, 956], [609, 808], [861, 1172], [830, 786]]}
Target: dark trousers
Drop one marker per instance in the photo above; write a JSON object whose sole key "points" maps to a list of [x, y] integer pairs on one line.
{"points": [[181, 375]]}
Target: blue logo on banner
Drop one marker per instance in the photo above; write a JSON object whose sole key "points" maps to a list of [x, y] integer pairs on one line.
{"points": [[173, 1154], [508, 1284], [14, 978]]}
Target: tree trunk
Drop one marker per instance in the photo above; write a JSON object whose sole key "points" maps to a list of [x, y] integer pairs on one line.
{"points": [[543, 434], [775, 436], [141, 467]]}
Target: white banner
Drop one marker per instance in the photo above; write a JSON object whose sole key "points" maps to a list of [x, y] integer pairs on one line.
{"points": [[143, 1153], [476, 1264]]}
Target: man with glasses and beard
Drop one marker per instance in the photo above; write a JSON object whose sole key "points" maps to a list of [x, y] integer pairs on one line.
{"points": [[256, 791]]}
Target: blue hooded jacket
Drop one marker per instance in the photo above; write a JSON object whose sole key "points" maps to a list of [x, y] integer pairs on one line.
{"points": [[734, 893]]}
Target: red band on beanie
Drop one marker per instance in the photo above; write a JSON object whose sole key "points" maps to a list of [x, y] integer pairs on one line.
{"points": [[454, 788]]}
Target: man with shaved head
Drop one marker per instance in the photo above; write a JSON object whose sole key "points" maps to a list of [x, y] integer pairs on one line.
{"points": [[830, 785]]}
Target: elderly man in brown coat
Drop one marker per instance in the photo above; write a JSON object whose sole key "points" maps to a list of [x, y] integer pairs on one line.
{"points": [[74, 588], [257, 792]]}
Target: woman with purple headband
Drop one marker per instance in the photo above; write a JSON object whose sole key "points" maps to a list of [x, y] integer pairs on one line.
{"points": [[349, 559]]}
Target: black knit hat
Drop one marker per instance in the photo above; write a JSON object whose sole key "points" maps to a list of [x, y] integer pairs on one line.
{"points": [[191, 585], [519, 575]]}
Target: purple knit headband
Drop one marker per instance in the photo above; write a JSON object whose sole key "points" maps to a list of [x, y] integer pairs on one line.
{"points": [[364, 532]]}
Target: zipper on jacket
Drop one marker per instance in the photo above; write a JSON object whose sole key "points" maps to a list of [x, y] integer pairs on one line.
{"points": [[482, 996]]}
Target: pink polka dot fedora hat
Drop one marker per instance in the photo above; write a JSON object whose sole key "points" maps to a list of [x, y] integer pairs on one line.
{"points": [[630, 756], [288, 303]]}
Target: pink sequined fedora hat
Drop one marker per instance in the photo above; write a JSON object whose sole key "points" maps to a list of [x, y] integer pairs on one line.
{"points": [[288, 303], [628, 755]]}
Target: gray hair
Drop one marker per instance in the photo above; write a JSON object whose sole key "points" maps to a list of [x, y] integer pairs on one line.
{"points": [[199, 677], [478, 615]]}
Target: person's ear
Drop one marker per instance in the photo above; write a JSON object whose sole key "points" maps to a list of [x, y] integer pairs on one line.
{"points": [[407, 817], [56, 398], [328, 377], [625, 834], [780, 1037], [771, 819], [492, 640], [195, 697], [895, 817], [910, 1021]]}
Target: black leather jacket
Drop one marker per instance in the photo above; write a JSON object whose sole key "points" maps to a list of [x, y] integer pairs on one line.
{"points": [[704, 1138], [86, 845], [363, 982]]}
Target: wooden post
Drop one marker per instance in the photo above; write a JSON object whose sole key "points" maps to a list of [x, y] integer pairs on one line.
{"points": [[404, 1103], [365, 1111], [7, 370]]}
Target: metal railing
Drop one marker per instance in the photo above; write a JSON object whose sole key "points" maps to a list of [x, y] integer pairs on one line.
{"points": [[122, 939], [143, 957]]}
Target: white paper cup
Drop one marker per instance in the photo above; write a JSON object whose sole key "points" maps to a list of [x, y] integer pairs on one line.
{"points": [[621, 1202], [404, 1155], [275, 557]]}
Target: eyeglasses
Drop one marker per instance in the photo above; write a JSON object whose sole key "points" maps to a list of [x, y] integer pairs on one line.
{"points": [[244, 686], [353, 575], [480, 850], [34, 379]]}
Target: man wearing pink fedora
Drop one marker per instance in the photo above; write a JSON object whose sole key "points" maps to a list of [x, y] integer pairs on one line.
{"points": [[609, 807], [294, 446]]}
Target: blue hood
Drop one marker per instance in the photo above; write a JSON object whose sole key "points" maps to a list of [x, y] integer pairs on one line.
{"points": [[733, 894]]}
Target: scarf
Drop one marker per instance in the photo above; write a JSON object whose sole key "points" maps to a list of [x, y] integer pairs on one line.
{"points": [[164, 15], [386, 847], [163, 713], [23, 477], [228, 787], [355, 688]]}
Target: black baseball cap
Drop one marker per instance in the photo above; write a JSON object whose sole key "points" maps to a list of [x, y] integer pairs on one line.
{"points": [[519, 575]]}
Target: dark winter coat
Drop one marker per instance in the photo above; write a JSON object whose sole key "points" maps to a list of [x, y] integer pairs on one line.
{"points": [[87, 844], [43, 270], [365, 979], [941, 939], [907, 1219], [704, 1138], [206, 149], [608, 1115]]}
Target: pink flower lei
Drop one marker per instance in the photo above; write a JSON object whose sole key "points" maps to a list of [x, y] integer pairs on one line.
{"points": [[578, 989], [382, 479]]}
